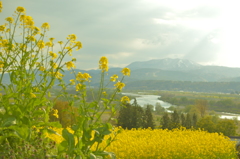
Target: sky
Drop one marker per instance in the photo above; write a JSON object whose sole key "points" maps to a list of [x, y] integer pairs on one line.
{"points": [[125, 31]]}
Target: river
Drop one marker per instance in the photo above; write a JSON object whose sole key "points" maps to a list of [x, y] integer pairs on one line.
{"points": [[153, 99]]}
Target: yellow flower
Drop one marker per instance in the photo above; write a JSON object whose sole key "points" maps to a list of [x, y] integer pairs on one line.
{"points": [[78, 44], [113, 78], [51, 39], [72, 37], [60, 42], [1, 6], [119, 85], [55, 113], [36, 30], [49, 44], [54, 65], [126, 71], [2, 27], [82, 77], [69, 50], [32, 38], [92, 135], [1, 64], [9, 19], [70, 65], [41, 68], [45, 26], [58, 75], [54, 55], [40, 44], [125, 99], [28, 20], [103, 64], [20, 9], [78, 86], [86, 76], [104, 93], [72, 82], [33, 95]]}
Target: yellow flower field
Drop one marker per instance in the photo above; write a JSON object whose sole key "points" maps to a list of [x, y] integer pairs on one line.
{"points": [[167, 144]]}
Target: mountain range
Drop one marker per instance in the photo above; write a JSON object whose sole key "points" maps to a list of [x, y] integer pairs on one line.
{"points": [[181, 70]]}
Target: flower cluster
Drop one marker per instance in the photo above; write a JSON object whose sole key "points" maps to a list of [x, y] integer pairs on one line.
{"points": [[166, 144], [103, 64], [125, 99]]}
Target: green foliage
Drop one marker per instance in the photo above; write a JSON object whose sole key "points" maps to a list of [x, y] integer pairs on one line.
{"points": [[66, 114], [148, 118], [28, 59], [131, 116], [159, 109], [225, 126]]}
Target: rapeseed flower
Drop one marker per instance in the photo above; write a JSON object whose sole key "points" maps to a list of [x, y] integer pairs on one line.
{"points": [[9, 19], [54, 55], [72, 82], [2, 27], [70, 65], [45, 26], [78, 44], [125, 99], [126, 71], [41, 68], [79, 86], [41, 44], [1, 6], [169, 144], [20, 9], [58, 75], [103, 64], [33, 95], [55, 113], [49, 44], [72, 37], [119, 85], [83, 76], [113, 78]]}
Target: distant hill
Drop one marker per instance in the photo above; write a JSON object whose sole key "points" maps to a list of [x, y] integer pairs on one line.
{"points": [[154, 71], [166, 64]]}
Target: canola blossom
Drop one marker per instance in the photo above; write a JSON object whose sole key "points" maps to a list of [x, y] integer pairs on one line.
{"points": [[165, 144], [20, 9], [125, 99], [113, 78], [126, 71], [119, 85], [103, 64]]}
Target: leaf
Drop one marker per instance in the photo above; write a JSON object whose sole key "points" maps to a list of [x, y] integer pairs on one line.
{"points": [[69, 138], [92, 156], [9, 121], [22, 132]]}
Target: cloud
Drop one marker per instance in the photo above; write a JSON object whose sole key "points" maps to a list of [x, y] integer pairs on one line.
{"points": [[128, 31]]}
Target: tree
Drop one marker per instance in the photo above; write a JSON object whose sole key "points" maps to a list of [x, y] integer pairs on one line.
{"points": [[175, 120], [159, 109], [194, 120], [131, 116], [124, 118], [207, 124], [201, 105], [165, 122], [188, 123], [183, 120], [227, 127], [148, 118]]}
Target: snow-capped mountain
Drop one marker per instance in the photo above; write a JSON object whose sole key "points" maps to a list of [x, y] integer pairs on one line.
{"points": [[166, 64]]}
